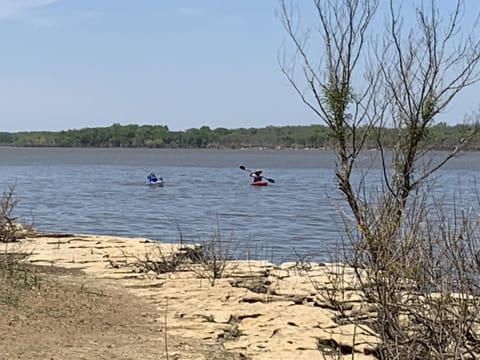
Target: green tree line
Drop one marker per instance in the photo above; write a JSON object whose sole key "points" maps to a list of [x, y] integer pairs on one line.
{"points": [[440, 137]]}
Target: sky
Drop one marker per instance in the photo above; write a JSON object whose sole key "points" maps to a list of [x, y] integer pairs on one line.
{"points": [[71, 64]]}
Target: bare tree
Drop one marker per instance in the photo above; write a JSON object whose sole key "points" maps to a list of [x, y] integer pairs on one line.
{"points": [[359, 84], [407, 84]]}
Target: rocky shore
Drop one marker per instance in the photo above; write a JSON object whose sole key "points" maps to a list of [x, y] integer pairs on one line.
{"points": [[253, 309]]}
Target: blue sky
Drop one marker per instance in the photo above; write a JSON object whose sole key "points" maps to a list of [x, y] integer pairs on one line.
{"points": [[182, 63]]}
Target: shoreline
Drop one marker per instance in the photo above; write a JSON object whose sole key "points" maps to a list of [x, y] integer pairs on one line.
{"points": [[255, 308]]}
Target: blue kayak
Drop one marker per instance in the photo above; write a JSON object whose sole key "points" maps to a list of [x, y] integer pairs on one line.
{"points": [[154, 182]]}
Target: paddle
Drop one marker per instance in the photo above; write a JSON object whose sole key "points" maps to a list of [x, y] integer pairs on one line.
{"points": [[269, 180]]}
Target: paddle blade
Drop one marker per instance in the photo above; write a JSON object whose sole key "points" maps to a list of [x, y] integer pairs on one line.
{"points": [[243, 167], [270, 180]]}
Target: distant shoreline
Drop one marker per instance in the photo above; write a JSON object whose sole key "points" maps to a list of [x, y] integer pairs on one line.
{"points": [[311, 137]]}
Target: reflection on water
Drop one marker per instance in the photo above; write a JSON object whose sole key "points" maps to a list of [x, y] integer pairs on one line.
{"points": [[102, 191]]}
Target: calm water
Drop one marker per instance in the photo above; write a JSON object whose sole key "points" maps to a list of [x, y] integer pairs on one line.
{"points": [[102, 191]]}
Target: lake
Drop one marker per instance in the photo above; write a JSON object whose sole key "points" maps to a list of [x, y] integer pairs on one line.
{"points": [[206, 195]]}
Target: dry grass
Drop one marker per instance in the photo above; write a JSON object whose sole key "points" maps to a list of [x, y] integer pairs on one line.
{"points": [[63, 314]]}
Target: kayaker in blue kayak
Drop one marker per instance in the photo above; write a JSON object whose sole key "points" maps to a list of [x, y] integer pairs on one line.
{"points": [[257, 175]]}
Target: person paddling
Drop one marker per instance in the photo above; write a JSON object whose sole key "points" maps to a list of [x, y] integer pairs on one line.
{"points": [[257, 175], [152, 177]]}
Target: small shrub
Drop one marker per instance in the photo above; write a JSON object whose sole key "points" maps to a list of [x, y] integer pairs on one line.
{"points": [[161, 262], [15, 275], [212, 261], [8, 227]]}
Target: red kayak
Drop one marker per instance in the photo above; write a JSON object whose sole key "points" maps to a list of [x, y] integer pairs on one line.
{"points": [[259, 183]]}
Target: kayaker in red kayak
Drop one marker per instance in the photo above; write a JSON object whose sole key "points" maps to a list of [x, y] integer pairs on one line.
{"points": [[257, 177]]}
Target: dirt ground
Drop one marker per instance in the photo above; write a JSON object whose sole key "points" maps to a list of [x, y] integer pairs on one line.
{"points": [[50, 313]]}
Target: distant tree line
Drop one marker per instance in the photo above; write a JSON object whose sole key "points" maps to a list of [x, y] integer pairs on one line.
{"points": [[440, 137]]}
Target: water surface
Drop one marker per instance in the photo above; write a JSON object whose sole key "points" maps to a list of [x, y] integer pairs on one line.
{"points": [[102, 191]]}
